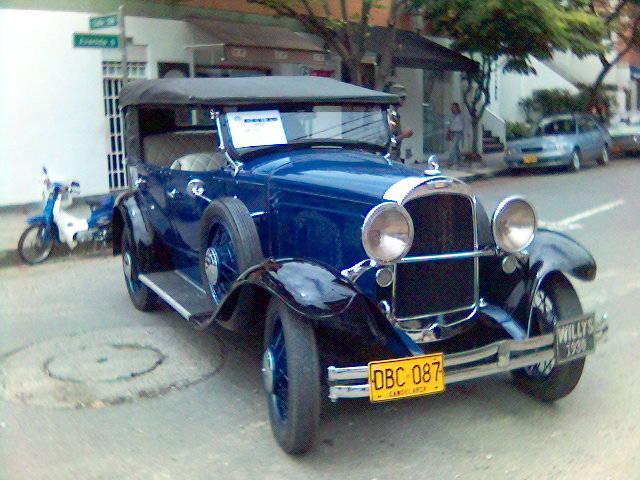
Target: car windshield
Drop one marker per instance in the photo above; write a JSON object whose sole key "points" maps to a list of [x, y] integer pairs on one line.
{"points": [[557, 127], [317, 123]]}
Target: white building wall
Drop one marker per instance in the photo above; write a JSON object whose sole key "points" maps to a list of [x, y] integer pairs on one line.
{"points": [[51, 93], [515, 87], [51, 96]]}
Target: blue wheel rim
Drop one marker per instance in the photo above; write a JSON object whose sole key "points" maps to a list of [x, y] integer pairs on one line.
{"points": [[280, 383], [221, 258]]}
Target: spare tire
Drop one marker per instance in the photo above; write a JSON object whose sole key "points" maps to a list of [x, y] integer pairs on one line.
{"points": [[230, 245]]}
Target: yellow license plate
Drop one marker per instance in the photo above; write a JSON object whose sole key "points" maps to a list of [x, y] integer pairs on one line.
{"points": [[529, 158], [616, 149], [406, 377]]}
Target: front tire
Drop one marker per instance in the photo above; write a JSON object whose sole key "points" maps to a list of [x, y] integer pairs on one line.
{"points": [[555, 300], [291, 372], [142, 297], [35, 243]]}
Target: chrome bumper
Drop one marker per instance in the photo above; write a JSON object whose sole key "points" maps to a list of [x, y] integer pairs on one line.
{"points": [[496, 357]]}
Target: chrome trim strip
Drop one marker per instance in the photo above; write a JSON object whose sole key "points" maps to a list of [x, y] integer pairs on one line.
{"points": [[540, 348], [448, 256]]}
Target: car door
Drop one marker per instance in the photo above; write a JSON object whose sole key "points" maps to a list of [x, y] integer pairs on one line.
{"points": [[585, 139], [185, 209]]}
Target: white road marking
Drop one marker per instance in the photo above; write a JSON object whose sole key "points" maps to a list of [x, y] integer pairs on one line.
{"points": [[591, 212], [569, 223]]}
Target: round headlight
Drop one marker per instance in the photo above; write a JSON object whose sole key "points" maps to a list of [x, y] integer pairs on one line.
{"points": [[514, 224], [387, 232]]}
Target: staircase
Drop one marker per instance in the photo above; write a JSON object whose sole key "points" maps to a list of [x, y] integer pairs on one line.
{"points": [[491, 143]]}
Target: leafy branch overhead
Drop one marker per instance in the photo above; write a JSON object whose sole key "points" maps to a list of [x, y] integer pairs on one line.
{"points": [[344, 26]]}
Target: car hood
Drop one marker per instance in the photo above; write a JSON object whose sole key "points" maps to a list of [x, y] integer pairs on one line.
{"points": [[540, 141], [336, 173]]}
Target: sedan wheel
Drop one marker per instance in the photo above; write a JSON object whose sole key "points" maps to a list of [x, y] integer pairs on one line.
{"points": [[574, 166], [604, 156]]}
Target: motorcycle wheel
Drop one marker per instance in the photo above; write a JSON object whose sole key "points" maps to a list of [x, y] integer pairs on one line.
{"points": [[35, 243]]}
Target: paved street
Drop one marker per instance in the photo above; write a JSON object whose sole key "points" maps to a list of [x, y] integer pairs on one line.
{"points": [[205, 416]]}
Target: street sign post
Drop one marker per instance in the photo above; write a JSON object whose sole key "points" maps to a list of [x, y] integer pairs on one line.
{"points": [[104, 21], [95, 40]]}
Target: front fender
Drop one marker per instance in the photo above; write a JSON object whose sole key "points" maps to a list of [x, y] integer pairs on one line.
{"points": [[550, 253], [309, 288]]}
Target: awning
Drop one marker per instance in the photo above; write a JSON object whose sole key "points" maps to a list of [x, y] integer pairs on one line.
{"points": [[416, 51], [250, 44]]}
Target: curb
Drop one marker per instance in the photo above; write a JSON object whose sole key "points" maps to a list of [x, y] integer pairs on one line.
{"points": [[10, 258]]}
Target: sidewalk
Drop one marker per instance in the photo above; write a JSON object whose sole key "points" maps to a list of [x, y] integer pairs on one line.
{"points": [[493, 164]]}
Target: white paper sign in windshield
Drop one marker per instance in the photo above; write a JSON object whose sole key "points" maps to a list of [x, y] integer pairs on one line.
{"points": [[258, 128]]}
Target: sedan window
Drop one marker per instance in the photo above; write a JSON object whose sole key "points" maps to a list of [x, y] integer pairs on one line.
{"points": [[557, 127]]}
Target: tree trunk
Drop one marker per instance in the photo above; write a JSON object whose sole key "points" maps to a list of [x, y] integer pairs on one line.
{"points": [[475, 134], [386, 59]]}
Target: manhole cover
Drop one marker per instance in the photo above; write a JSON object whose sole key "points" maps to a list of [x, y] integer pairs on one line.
{"points": [[106, 367], [104, 363]]}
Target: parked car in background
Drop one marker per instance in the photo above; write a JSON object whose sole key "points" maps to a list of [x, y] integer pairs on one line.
{"points": [[274, 205], [624, 130], [561, 140]]}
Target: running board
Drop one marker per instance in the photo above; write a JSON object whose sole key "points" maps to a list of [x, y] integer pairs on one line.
{"points": [[181, 293]]}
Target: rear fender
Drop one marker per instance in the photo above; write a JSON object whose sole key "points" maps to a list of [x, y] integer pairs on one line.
{"points": [[127, 212], [36, 219]]}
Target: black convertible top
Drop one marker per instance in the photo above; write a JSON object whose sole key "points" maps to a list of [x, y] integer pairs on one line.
{"points": [[248, 90]]}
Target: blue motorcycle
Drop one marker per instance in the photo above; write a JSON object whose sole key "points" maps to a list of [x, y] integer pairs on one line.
{"points": [[57, 225]]}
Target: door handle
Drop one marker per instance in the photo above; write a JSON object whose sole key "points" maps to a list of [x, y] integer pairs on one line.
{"points": [[172, 193]]}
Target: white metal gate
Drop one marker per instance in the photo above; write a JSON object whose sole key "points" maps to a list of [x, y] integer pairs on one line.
{"points": [[111, 85]]}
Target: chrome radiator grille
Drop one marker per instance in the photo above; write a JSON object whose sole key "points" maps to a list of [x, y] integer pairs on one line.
{"points": [[443, 223]]}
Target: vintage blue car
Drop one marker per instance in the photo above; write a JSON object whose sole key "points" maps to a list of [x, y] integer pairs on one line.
{"points": [[274, 205], [561, 140]]}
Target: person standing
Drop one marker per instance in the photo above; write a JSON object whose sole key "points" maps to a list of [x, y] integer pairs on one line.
{"points": [[455, 134], [396, 127]]}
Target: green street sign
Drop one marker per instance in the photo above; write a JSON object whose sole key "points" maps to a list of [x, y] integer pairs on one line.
{"points": [[104, 21], [94, 40]]}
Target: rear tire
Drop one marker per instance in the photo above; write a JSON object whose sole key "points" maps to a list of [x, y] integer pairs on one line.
{"points": [[142, 297], [555, 300], [576, 161], [37, 252], [291, 373]]}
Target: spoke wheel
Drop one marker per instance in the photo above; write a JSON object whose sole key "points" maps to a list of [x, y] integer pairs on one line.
{"points": [[220, 264], [230, 246], [291, 374], [142, 297], [35, 243], [548, 381]]}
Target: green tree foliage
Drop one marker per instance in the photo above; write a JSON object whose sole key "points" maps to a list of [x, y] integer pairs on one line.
{"points": [[344, 26], [512, 31], [620, 35], [551, 101]]}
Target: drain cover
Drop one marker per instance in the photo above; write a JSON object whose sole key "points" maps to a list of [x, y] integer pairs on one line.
{"points": [[106, 367]]}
